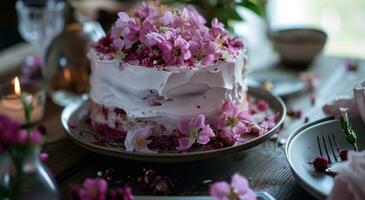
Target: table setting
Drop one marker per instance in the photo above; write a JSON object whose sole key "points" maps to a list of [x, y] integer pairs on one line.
{"points": [[167, 99]]}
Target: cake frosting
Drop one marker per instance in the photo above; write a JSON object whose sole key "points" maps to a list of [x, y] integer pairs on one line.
{"points": [[176, 93]]}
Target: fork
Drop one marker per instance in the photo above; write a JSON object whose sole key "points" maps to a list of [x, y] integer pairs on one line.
{"points": [[327, 148]]}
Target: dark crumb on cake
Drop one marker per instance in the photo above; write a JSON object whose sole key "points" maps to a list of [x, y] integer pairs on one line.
{"points": [[198, 106], [119, 112], [163, 142]]}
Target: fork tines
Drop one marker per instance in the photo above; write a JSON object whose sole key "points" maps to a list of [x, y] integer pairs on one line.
{"points": [[329, 147]]}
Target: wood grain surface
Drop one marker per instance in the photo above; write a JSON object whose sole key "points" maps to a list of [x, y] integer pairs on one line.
{"points": [[265, 165]]}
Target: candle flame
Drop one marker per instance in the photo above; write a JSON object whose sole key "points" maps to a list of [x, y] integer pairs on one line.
{"points": [[17, 88], [67, 75]]}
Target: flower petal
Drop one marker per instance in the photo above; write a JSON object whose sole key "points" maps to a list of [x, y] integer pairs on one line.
{"points": [[239, 184], [185, 143], [184, 127], [198, 121], [143, 132], [244, 115], [220, 190]]}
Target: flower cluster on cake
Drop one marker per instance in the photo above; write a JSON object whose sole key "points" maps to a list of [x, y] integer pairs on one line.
{"points": [[162, 81]]}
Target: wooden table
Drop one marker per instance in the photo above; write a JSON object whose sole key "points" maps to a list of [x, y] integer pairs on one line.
{"points": [[265, 165]]}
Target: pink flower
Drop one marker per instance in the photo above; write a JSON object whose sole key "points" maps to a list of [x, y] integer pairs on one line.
{"points": [[172, 32], [238, 189], [147, 27], [35, 137], [232, 121], [167, 18], [152, 38], [194, 130], [146, 11], [136, 140], [204, 52], [93, 189], [176, 53], [193, 17], [125, 31], [217, 29]]}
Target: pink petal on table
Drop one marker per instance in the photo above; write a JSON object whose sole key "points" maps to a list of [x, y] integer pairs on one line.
{"points": [[239, 184], [220, 190], [333, 108]]}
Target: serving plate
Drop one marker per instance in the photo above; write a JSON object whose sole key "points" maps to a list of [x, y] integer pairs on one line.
{"points": [[302, 147], [82, 133]]}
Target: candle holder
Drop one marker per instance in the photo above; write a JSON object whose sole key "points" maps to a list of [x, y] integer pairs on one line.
{"points": [[11, 104]]}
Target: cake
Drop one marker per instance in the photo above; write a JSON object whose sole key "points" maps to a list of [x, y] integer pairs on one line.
{"points": [[163, 81]]}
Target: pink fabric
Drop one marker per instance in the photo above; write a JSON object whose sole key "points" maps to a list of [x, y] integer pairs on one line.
{"points": [[355, 105], [349, 183]]}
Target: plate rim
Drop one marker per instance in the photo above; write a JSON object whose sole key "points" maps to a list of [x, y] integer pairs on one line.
{"points": [[174, 157], [295, 133]]}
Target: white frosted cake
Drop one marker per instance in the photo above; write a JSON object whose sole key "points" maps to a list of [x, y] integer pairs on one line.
{"points": [[163, 80]]}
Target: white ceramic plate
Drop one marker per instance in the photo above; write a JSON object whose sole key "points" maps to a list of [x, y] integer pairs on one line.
{"points": [[302, 147], [284, 83], [82, 134]]}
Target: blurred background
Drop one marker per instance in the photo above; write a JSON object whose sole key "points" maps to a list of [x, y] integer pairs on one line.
{"points": [[341, 20]]}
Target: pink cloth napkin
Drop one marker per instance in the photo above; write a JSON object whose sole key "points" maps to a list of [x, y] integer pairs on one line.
{"points": [[349, 182], [355, 105]]}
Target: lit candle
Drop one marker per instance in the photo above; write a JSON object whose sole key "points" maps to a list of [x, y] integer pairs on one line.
{"points": [[12, 105]]}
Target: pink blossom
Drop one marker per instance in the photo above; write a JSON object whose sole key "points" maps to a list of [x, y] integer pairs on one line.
{"points": [[232, 121], [176, 53], [125, 31], [147, 27], [93, 189], [217, 29], [167, 18], [137, 140], [204, 52], [194, 130], [193, 17], [152, 26], [146, 11], [238, 189], [152, 38], [35, 137]]}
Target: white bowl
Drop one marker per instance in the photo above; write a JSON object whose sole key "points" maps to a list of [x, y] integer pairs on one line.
{"points": [[298, 46]]}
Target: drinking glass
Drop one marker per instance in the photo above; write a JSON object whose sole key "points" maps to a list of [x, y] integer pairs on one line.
{"points": [[40, 20]]}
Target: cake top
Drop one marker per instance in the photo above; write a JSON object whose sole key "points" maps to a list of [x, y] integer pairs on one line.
{"points": [[158, 36]]}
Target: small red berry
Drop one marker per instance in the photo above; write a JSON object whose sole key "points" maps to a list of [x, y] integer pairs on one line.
{"points": [[262, 105], [320, 164], [343, 154]]}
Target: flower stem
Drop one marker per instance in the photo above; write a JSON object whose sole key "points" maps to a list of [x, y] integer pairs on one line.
{"points": [[27, 104]]}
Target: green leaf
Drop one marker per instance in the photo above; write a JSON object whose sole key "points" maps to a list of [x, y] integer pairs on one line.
{"points": [[350, 134], [253, 6]]}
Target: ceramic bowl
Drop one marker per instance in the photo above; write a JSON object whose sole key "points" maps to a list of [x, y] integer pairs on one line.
{"points": [[298, 46]]}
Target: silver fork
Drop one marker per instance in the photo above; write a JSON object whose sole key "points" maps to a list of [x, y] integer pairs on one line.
{"points": [[329, 148]]}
